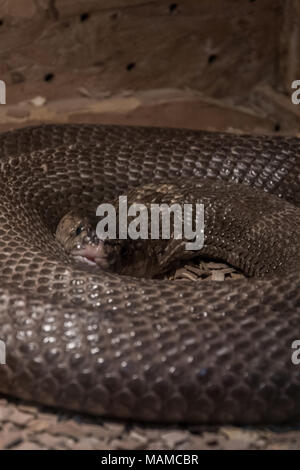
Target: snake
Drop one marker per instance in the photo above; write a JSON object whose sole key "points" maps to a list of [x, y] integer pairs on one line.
{"points": [[119, 343]]}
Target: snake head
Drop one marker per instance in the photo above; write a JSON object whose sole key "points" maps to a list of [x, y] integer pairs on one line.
{"points": [[77, 235], [138, 258]]}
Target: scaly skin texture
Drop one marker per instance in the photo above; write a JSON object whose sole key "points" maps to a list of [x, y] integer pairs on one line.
{"points": [[238, 221], [139, 348]]}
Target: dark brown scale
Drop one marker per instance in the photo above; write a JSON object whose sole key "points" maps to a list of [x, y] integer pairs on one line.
{"points": [[140, 348]]}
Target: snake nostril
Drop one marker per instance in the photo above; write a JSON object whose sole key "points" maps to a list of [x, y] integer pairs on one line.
{"points": [[86, 239]]}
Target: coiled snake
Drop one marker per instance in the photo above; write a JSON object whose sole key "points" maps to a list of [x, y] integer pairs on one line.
{"points": [[151, 349]]}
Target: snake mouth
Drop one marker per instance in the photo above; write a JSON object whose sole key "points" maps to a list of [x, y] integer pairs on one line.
{"points": [[85, 259], [94, 255]]}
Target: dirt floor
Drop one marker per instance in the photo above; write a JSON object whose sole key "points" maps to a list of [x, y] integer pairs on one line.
{"points": [[25, 426]]}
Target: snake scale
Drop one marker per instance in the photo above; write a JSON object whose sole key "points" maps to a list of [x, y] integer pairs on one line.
{"points": [[149, 349]]}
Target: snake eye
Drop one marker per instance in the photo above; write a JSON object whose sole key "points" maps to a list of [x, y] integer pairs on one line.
{"points": [[79, 230]]}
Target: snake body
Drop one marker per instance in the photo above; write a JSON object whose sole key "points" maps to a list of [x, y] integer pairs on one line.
{"points": [[149, 349]]}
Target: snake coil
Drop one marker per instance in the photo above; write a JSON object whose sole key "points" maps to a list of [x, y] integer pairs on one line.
{"points": [[148, 349]]}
